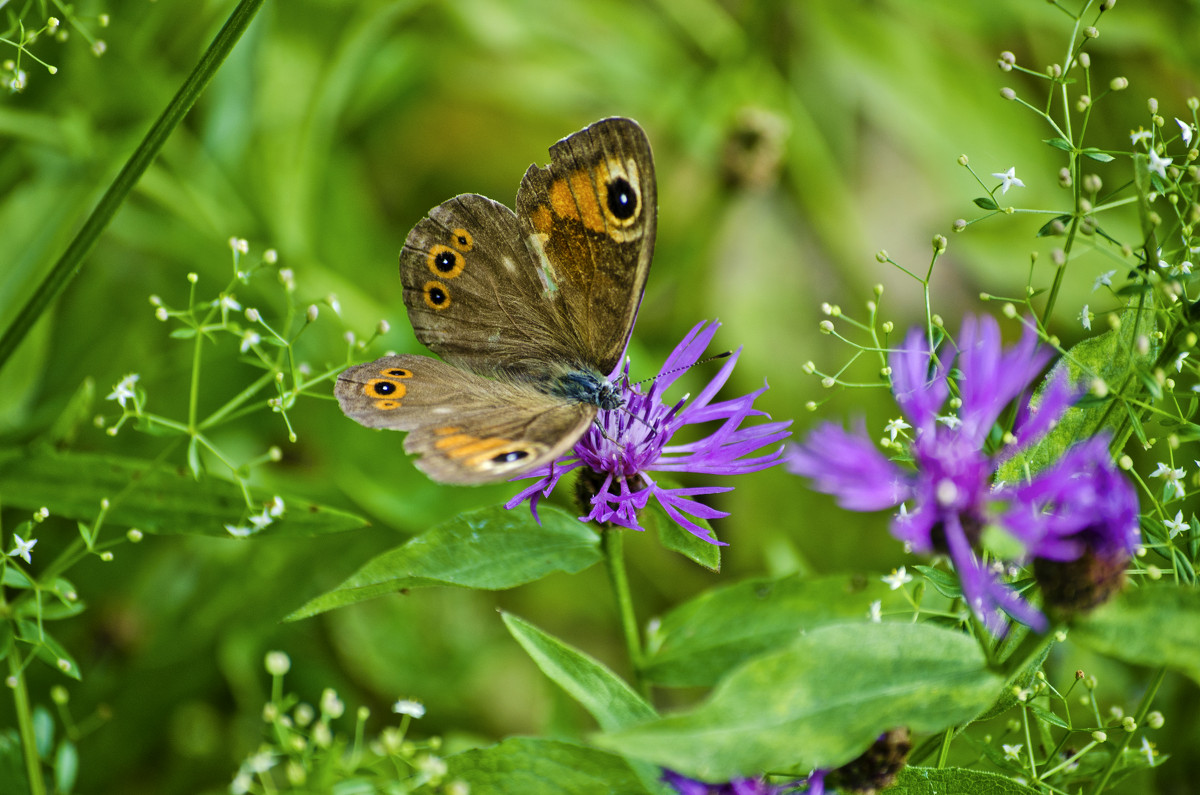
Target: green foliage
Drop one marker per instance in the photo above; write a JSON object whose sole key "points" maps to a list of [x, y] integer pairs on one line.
{"points": [[819, 702], [491, 548], [792, 140]]}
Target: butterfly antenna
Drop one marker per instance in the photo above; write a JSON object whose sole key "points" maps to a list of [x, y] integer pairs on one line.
{"points": [[712, 358]]}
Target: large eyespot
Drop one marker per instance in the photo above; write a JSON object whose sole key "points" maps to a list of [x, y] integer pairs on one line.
{"points": [[463, 240], [384, 388], [445, 262], [621, 198], [437, 295]]}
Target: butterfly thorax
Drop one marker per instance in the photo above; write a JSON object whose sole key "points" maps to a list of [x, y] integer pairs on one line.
{"points": [[585, 385]]}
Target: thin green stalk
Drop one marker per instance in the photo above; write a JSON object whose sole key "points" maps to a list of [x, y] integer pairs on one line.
{"points": [[612, 541], [33, 767], [1139, 717], [71, 261]]}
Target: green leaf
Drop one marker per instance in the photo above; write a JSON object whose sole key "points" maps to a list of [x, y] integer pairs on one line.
{"points": [[612, 702], [940, 781], [986, 203], [1097, 155], [820, 702], [66, 766], [47, 649], [1048, 229], [1113, 357], [1059, 143], [1158, 625], [676, 539], [151, 497], [491, 549], [699, 641], [532, 766]]}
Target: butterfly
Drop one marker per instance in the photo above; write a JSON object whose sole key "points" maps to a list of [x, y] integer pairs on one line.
{"points": [[529, 311]]}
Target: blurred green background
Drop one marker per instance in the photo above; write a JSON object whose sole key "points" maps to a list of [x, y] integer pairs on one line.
{"points": [[792, 141]]}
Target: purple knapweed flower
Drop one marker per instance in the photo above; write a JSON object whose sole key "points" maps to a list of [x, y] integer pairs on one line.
{"points": [[624, 445], [738, 786], [950, 491]]}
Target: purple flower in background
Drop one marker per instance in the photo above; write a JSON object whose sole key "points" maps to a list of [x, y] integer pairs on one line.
{"points": [[950, 490], [625, 445], [738, 786]]}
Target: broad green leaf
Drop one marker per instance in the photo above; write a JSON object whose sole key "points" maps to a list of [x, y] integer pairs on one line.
{"points": [[531, 766], [699, 641], [606, 696], [986, 203], [820, 702], [152, 497], [1059, 143], [491, 549], [942, 781], [1158, 625], [1113, 357]]}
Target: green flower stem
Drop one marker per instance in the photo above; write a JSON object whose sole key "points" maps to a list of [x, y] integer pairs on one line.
{"points": [[612, 541], [71, 261], [33, 767]]}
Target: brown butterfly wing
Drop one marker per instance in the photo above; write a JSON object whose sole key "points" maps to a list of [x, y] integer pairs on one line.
{"points": [[466, 428], [556, 285], [474, 295], [589, 220]]}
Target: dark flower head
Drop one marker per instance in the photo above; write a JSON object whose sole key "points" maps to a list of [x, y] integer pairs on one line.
{"points": [[624, 445], [950, 489], [1080, 520]]}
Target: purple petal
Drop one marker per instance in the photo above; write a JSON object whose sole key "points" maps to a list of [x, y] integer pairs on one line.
{"points": [[850, 467], [919, 395]]}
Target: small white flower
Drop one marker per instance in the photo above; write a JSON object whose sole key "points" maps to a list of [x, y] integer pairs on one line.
{"points": [[249, 339], [895, 427], [409, 707], [1140, 135], [239, 531], [239, 244], [332, 300], [228, 302], [897, 579], [1103, 280], [1175, 526], [1158, 164], [1184, 267], [950, 421], [261, 762], [1085, 317], [1172, 477], [123, 391], [1185, 131], [22, 548], [1148, 750], [1012, 752], [276, 507], [261, 520], [1179, 361], [875, 612], [1008, 178]]}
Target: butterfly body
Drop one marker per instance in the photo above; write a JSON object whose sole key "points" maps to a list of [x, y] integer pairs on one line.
{"points": [[530, 312]]}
